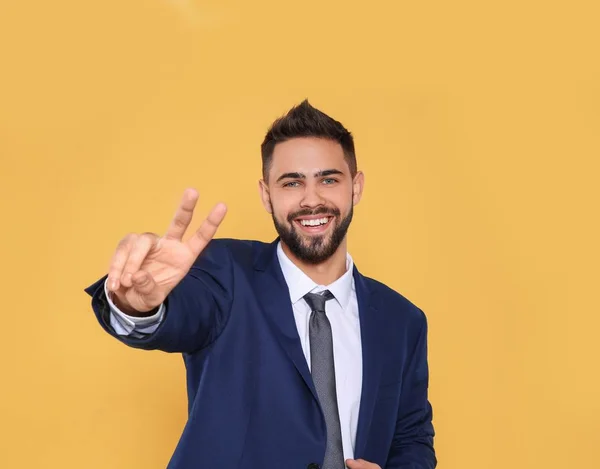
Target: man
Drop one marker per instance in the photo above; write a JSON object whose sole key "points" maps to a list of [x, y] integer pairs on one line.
{"points": [[294, 359]]}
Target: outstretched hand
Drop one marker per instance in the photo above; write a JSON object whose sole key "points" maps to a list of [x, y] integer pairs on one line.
{"points": [[146, 267]]}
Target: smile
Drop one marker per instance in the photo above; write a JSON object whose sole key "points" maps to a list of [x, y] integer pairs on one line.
{"points": [[313, 225]]}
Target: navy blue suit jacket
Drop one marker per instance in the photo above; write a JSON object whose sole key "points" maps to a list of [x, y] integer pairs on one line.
{"points": [[252, 402]]}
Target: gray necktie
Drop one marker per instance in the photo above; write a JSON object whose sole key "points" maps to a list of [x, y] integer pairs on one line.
{"points": [[323, 374]]}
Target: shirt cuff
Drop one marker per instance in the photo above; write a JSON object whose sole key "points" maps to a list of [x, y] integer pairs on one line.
{"points": [[124, 324]]}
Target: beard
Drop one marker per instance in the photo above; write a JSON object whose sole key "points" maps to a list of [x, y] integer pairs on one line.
{"points": [[318, 248]]}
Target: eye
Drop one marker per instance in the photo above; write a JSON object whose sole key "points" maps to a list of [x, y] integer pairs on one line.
{"points": [[329, 181], [291, 184]]}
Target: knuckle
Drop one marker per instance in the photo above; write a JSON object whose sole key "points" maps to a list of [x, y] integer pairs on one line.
{"points": [[202, 236], [148, 237], [180, 222], [146, 280]]}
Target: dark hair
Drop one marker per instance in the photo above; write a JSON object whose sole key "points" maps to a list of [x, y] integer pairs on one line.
{"points": [[305, 120]]}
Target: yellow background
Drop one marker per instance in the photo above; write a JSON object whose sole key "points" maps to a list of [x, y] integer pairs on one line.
{"points": [[477, 125]]}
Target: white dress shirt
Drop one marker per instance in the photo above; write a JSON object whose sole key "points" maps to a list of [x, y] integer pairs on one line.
{"points": [[345, 326]]}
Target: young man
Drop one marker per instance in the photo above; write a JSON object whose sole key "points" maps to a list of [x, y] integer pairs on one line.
{"points": [[294, 359]]}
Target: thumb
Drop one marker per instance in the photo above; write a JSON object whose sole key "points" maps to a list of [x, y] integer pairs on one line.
{"points": [[355, 464], [360, 464], [143, 282]]}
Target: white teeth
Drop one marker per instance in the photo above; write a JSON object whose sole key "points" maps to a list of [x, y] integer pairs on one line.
{"points": [[317, 222]]}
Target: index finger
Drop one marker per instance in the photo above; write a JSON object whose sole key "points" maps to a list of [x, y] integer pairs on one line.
{"points": [[207, 229], [183, 215]]}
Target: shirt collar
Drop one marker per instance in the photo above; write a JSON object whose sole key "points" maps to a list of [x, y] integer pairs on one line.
{"points": [[299, 284]]}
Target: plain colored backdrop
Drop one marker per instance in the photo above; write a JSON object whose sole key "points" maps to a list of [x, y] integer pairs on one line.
{"points": [[477, 125]]}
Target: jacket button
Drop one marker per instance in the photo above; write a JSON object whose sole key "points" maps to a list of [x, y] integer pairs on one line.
{"points": [[313, 465]]}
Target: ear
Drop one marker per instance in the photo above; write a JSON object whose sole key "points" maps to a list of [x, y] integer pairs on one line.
{"points": [[265, 196], [357, 187]]}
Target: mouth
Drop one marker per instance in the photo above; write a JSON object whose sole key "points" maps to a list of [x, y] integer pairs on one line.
{"points": [[313, 225]]}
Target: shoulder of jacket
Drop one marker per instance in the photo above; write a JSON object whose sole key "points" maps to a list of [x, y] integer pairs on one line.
{"points": [[391, 300], [239, 250]]}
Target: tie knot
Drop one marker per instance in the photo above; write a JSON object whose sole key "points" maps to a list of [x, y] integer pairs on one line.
{"points": [[316, 301]]}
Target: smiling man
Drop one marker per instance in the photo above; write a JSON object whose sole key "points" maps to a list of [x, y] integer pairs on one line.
{"points": [[310, 189], [294, 359]]}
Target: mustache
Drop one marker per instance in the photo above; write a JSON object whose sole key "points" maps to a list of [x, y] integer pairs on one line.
{"points": [[334, 212]]}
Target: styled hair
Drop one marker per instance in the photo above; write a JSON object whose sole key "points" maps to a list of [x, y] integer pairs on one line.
{"points": [[304, 120]]}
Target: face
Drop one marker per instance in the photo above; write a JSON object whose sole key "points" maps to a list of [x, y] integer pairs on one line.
{"points": [[310, 194]]}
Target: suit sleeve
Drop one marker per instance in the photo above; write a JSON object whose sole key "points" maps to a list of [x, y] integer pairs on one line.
{"points": [[412, 446], [196, 311]]}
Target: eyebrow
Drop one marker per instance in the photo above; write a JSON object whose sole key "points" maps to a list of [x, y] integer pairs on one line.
{"points": [[325, 172]]}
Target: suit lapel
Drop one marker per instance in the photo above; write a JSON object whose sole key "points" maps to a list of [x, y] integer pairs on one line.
{"points": [[274, 298], [275, 301], [372, 352]]}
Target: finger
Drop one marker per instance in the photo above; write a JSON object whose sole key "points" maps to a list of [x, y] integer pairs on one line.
{"points": [[183, 215], [118, 262], [137, 254], [143, 282], [207, 229]]}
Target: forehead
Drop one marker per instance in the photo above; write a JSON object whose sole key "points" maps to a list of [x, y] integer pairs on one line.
{"points": [[307, 155]]}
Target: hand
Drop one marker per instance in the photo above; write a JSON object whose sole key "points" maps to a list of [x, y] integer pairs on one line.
{"points": [[146, 267], [361, 464]]}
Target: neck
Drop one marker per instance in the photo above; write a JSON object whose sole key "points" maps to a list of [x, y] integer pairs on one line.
{"points": [[327, 271]]}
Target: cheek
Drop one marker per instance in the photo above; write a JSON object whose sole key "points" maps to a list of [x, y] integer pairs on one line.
{"points": [[342, 202], [280, 211], [283, 203]]}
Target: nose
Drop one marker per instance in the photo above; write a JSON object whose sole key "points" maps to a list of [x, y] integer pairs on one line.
{"points": [[312, 197]]}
